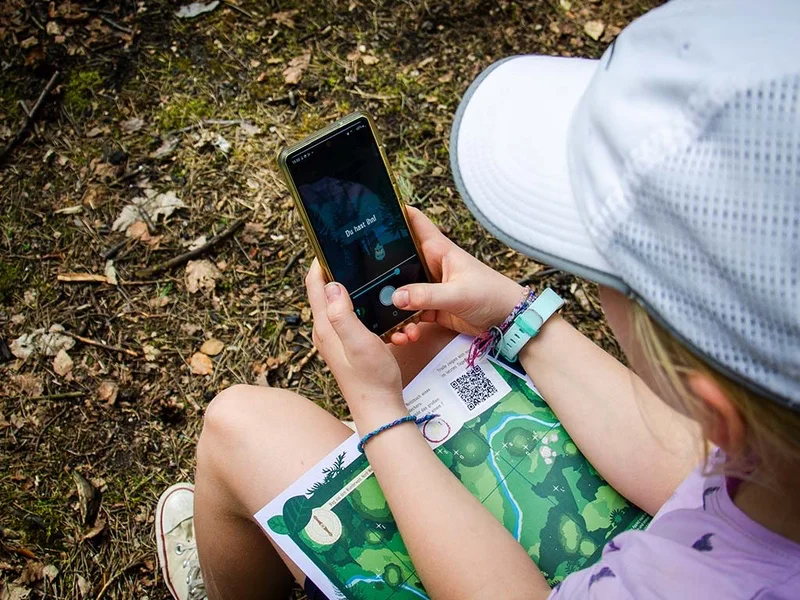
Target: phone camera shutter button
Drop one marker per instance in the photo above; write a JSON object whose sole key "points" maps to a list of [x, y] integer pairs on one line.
{"points": [[385, 295]]}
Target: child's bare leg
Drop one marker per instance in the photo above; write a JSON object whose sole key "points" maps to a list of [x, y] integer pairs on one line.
{"points": [[255, 442]]}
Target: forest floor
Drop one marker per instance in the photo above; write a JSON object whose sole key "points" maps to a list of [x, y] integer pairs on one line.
{"points": [[102, 399]]}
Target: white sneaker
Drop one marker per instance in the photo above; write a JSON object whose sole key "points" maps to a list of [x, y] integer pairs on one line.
{"points": [[177, 549]]}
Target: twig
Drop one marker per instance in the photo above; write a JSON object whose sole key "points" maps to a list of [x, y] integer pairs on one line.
{"points": [[29, 119], [239, 9], [183, 258], [116, 25], [108, 347], [131, 565], [295, 257], [82, 278], [112, 252]]}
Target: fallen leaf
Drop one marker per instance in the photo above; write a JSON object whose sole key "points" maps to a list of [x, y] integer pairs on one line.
{"points": [[167, 147], [131, 125], [153, 204], [369, 59], [83, 586], [111, 272], [62, 363], [212, 347], [89, 499], [251, 232], [32, 572], [107, 392], [9, 591], [293, 73], [222, 144], [138, 231], [249, 129], [50, 572], [39, 342], [201, 275], [96, 530], [94, 132], [201, 364], [284, 18], [195, 9], [150, 352], [594, 29], [28, 384]]}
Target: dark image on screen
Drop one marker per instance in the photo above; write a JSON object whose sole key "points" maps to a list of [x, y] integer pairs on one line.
{"points": [[351, 203]]}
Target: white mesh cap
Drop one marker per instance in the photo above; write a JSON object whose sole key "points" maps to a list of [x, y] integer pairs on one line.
{"points": [[674, 175]]}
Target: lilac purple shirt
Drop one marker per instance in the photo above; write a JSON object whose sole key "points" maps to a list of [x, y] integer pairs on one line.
{"points": [[698, 546]]}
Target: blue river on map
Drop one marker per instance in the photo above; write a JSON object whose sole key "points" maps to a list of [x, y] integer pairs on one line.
{"points": [[500, 477]]}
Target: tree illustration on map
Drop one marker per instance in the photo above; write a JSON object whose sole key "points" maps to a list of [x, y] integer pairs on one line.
{"points": [[515, 457]]}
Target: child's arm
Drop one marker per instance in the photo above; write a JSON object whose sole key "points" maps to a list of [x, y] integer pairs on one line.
{"points": [[643, 448], [460, 550]]}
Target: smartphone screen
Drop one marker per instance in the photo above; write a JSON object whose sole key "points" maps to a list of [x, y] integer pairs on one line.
{"points": [[353, 209]]}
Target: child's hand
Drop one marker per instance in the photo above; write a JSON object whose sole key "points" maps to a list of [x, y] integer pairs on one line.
{"points": [[363, 365], [470, 297]]}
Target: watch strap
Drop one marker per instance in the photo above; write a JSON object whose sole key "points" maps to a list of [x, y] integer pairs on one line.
{"points": [[528, 323]]}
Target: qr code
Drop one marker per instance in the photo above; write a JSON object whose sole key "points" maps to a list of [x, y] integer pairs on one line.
{"points": [[473, 387]]}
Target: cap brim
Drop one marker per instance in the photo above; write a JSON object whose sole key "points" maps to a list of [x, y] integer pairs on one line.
{"points": [[508, 152]]}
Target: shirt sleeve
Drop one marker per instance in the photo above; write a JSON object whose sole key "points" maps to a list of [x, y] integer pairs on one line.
{"points": [[598, 582]]}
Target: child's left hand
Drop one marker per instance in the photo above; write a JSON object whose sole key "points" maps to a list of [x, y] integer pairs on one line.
{"points": [[363, 365]]}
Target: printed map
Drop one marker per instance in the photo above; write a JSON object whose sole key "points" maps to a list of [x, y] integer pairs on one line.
{"points": [[507, 448]]}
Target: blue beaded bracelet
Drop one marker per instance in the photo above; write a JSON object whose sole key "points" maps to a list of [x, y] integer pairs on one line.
{"points": [[406, 419]]}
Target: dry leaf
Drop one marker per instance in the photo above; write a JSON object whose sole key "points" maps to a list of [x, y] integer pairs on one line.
{"points": [[111, 272], [39, 342], [83, 586], [98, 528], [201, 275], [198, 243], [284, 17], [138, 231], [251, 233], [152, 204], [293, 73], [89, 499], [131, 125], [212, 347], [167, 147], [28, 384], [369, 59], [62, 363], [31, 573], [150, 352], [195, 9], [594, 29], [50, 572], [107, 392], [201, 364], [9, 591]]}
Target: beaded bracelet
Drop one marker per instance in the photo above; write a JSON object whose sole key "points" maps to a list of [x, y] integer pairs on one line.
{"points": [[406, 419], [488, 340]]}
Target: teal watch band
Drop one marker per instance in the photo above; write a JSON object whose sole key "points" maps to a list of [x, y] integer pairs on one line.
{"points": [[528, 323]]}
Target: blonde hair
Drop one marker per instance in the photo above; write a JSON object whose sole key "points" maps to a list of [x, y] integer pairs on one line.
{"points": [[773, 431]]}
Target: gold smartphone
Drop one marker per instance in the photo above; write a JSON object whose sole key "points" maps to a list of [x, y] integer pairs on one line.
{"points": [[351, 209]]}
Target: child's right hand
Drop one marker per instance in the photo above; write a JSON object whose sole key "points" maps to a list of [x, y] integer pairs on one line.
{"points": [[468, 297]]}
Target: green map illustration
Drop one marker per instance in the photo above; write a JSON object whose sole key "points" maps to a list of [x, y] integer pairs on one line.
{"points": [[515, 457]]}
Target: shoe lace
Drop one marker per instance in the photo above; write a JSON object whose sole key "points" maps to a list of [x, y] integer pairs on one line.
{"points": [[191, 565]]}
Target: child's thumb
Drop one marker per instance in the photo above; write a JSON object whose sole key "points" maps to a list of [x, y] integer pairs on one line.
{"points": [[427, 296]]}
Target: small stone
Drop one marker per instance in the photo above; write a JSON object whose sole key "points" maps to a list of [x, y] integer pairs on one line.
{"points": [[594, 29]]}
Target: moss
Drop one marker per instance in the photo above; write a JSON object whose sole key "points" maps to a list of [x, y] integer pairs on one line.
{"points": [[9, 277], [182, 111], [79, 91]]}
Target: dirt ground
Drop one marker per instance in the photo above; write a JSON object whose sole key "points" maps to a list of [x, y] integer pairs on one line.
{"points": [[157, 134]]}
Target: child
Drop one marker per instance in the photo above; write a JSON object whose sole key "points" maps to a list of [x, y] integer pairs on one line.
{"points": [[668, 172]]}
